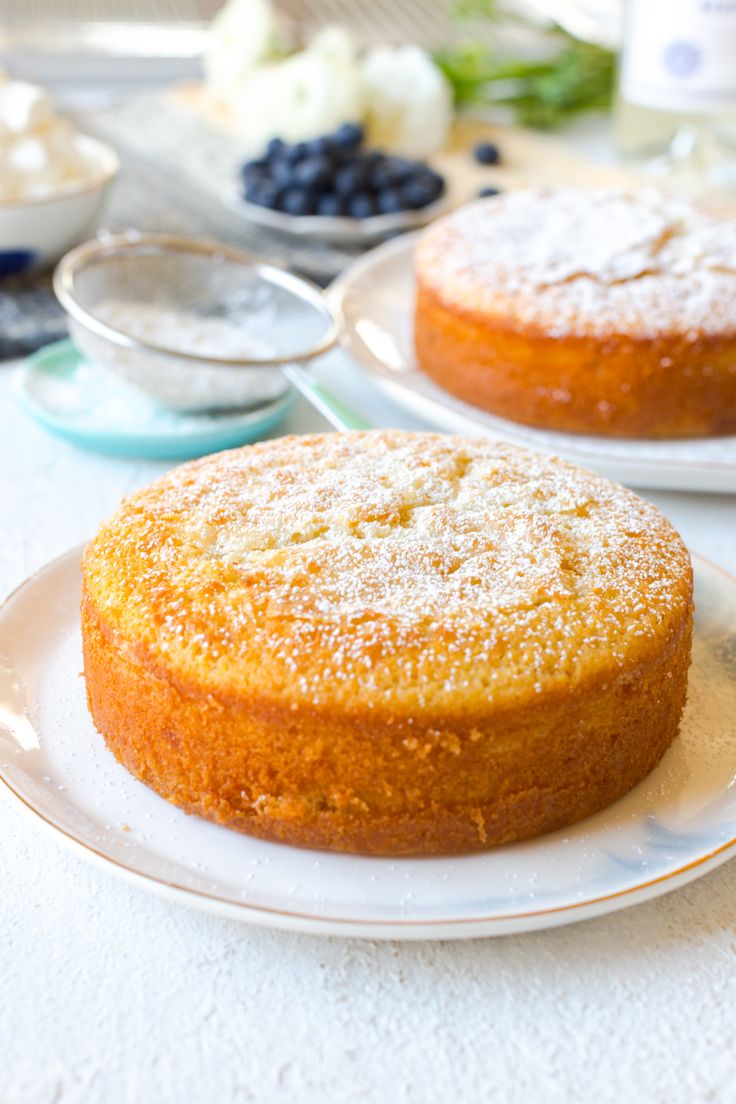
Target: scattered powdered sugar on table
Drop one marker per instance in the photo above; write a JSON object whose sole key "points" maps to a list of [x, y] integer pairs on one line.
{"points": [[598, 262], [379, 562]]}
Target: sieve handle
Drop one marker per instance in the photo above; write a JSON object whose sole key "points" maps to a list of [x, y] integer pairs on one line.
{"points": [[329, 406]]}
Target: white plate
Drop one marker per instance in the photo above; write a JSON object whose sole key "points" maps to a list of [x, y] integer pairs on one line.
{"points": [[675, 826], [376, 296], [337, 230]]}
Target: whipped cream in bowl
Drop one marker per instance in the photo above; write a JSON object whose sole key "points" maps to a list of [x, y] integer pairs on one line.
{"points": [[53, 179]]}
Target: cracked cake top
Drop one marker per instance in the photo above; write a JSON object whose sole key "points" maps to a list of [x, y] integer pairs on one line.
{"points": [[389, 566], [580, 262]]}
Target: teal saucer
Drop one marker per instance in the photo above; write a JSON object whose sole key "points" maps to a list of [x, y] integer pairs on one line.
{"points": [[77, 400]]}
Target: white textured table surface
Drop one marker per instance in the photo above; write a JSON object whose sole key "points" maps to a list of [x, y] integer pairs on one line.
{"points": [[108, 994]]}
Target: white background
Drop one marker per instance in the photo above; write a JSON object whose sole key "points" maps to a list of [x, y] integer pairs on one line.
{"points": [[108, 994]]}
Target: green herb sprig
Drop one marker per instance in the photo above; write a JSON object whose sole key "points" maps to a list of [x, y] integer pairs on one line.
{"points": [[544, 93]]}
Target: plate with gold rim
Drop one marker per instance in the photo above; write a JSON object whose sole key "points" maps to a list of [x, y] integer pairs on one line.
{"points": [[678, 824], [375, 296]]}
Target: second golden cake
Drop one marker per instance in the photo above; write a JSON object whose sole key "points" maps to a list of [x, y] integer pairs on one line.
{"points": [[595, 311], [387, 642]]}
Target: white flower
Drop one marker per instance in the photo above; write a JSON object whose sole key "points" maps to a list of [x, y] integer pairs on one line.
{"points": [[304, 95], [399, 92], [243, 35], [408, 101]]}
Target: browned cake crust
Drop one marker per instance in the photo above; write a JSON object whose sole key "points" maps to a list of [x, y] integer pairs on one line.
{"points": [[617, 386], [619, 320], [387, 643]]}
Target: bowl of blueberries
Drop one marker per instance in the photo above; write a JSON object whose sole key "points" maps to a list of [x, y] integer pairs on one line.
{"points": [[333, 188]]}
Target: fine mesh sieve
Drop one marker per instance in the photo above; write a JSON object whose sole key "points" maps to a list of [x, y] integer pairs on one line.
{"points": [[196, 325]]}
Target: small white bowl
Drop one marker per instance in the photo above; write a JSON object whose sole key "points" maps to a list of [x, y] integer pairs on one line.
{"points": [[36, 231]]}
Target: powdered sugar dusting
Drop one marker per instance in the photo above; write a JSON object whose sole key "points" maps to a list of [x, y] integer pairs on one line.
{"points": [[597, 262], [170, 380], [390, 565]]}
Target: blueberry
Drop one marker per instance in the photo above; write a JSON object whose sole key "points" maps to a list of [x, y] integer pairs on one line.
{"points": [[253, 182], [401, 169], [417, 194], [313, 171], [349, 178], [361, 205], [295, 152], [282, 173], [319, 147], [382, 176], [252, 169], [486, 193], [297, 201], [331, 205], [264, 195], [390, 201], [274, 147], [487, 154], [253, 187], [430, 181], [348, 136]]}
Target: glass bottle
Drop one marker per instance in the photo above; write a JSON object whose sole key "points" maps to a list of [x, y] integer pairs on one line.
{"points": [[677, 91]]}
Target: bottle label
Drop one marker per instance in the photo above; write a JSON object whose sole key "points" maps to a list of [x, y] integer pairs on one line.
{"points": [[680, 55]]}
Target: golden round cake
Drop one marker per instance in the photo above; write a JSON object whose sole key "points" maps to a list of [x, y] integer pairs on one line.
{"points": [[593, 311], [387, 642]]}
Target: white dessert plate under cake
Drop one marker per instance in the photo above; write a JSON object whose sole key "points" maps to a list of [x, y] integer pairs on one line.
{"points": [[677, 824], [376, 296]]}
